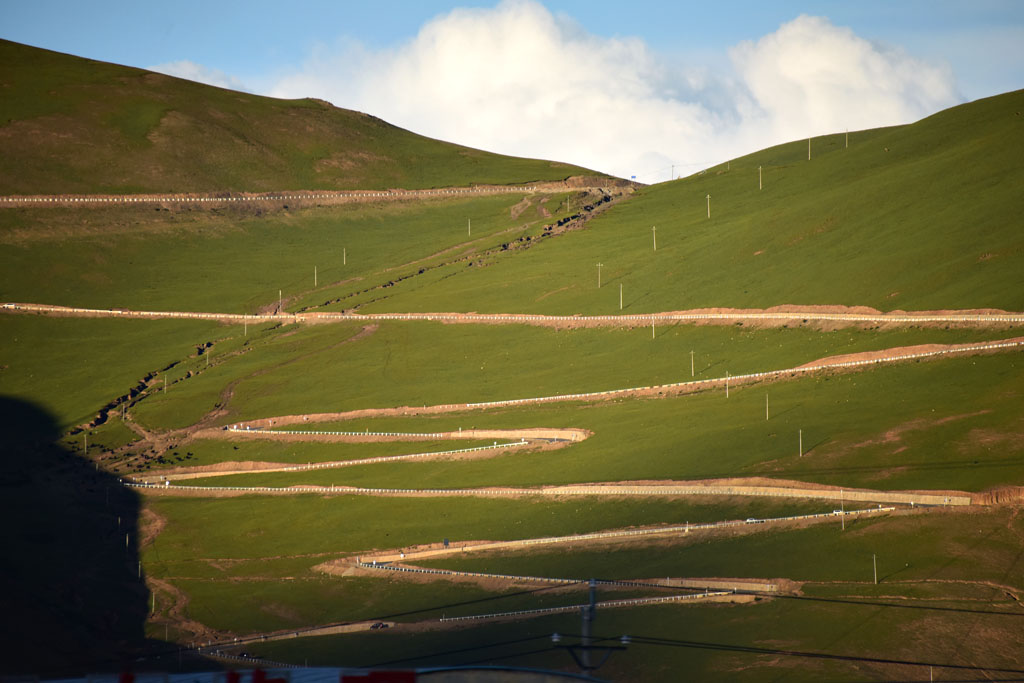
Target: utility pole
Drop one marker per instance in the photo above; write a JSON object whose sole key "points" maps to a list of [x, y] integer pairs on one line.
{"points": [[344, 256], [588, 623], [279, 301], [654, 236], [314, 276], [165, 384], [691, 363], [842, 507], [759, 186], [808, 149], [620, 296], [874, 564], [727, 384], [652, 329], [85, 437], [801, 453], [469, 226], [599, 275], [709, 206], [766, 407]]}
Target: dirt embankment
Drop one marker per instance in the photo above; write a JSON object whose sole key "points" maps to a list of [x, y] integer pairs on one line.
{"points": [[1004, 495]]}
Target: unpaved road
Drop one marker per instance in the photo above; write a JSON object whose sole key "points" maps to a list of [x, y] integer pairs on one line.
{"points": [[775, 316], [321, 197]]}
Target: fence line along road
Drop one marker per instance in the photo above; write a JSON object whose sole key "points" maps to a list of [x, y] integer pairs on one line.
{"points": [[603, 604], [706, 584], [457, 549], [1001, 318], [1004, 345], [334, 464], [346, 196]]}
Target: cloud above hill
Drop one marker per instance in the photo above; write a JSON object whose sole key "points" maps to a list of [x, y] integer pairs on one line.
{"points": [[520, 80]]}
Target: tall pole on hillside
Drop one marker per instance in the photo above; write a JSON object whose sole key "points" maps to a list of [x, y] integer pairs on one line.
{"points": [[874, 564], [344, 256], [709, 206], [279, 301], [847, 138], [620, 296], [654, 236], [691, 363], [599, 275], [801, 443], [469, 226], [759, 186], [842, 507], [727, 384], [808, 149], [314, 276], [766, 407]]}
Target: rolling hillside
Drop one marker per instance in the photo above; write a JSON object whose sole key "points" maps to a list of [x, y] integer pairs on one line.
{"points": [[922, 216], [874, 508], [73, 125]]}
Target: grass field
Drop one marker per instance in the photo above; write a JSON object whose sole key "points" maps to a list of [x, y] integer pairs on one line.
{"points": [[72, 367], [147, 132], [854, 226], [237, 261], [912, 217]]}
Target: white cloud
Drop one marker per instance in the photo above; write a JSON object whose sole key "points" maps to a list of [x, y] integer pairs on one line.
{"points": [[202, 74], [811, 78], [519, 80]]}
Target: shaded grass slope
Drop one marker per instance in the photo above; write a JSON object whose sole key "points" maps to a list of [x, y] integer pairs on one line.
{"points": [[73, 125]]}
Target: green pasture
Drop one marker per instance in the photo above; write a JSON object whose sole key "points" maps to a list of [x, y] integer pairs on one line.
{"points": [[147, 132], [913, 551], [235, 261], [255, 605], [73, 367], [421, 363], [253, 527], [914, 217], [764, 641], [213, 451], [840, 613], [946, 424]]}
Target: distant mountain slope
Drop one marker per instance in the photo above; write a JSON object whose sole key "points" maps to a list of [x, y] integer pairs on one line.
{"points": [[923, 216], [76, 125]]}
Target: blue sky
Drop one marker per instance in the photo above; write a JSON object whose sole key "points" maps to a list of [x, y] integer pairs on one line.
{"points": [[709, 70]]}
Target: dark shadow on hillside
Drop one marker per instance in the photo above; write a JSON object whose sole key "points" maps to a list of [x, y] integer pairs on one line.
{"points": [[73, 600]]}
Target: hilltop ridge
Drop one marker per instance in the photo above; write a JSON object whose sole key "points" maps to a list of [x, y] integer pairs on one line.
{"points": [[74, 125]]}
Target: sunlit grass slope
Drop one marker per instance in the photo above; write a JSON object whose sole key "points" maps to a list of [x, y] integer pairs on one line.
{"points": [[76, 125], [923, 216]]}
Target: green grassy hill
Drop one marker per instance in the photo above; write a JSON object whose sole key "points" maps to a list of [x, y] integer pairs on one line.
{"points": [[923, 216], [73, 125]]}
